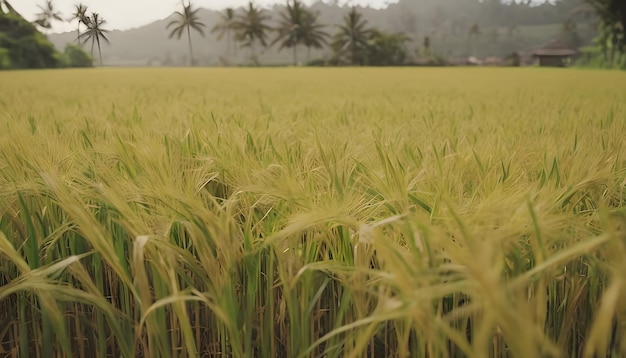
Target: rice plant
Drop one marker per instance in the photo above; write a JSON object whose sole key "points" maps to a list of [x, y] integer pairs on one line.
{"points": [[312, 213]]}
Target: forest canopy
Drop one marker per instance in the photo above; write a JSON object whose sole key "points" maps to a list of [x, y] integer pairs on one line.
{"points": [[23, 46]]}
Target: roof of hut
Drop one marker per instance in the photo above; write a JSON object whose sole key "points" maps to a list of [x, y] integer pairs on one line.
{"points": [[554, 48]]}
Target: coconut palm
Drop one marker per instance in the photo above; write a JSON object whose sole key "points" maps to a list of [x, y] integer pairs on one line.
{"points": [[47, 15], [226, 28], [613, 16], [252, 28], [185, 21], [290, 28], [5, 7], [80, 14], [95, 32], [312, 33], [352, 37]]}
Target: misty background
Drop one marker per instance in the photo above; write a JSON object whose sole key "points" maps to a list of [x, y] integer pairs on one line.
{"points": [[504, 27]]}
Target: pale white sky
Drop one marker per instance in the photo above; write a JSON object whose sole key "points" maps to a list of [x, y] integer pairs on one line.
{"points": [[125, 14]]}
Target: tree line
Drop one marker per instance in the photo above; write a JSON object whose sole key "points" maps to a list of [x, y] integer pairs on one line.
{"points": [[23, 46], [354, 42]]}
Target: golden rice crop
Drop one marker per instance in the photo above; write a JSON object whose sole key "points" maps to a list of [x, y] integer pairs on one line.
{"points": [[312, 213]]}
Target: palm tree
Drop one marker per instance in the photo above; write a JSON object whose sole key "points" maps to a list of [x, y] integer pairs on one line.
{"points": [[226, 28], [94, 32], [290, 28], [352, 37], [80, 14], [6, 8], [612, 14], [251, 28], [186, 20], [312, 33], [47, 15]]}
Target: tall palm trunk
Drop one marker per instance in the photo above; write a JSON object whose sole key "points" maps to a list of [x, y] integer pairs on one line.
{"points": [[353, 53], [228, 43], [475, 46], [190, 47], [253, 59], [615, 42], [99, 51], [295, 55]]}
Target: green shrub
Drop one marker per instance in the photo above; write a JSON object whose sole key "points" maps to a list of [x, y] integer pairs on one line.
{"points": [[25, 46], [75, 56]]}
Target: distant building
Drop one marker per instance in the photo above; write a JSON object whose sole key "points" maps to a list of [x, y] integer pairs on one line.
{"points": [[457, 61], [492, 61], [554, 54], [473, 61]]}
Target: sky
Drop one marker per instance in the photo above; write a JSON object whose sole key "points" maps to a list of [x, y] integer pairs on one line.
{"points": [[126, 14]]}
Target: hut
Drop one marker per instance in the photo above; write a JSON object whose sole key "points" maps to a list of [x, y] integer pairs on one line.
{"points": [[492, 61], [554, 54]]}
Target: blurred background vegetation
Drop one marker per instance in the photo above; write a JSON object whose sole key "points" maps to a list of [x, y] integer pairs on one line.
{"points": [[409, 32], [23, 46]]}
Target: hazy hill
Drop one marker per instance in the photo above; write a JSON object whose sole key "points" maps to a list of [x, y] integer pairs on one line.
{"points": [[504, 28]]}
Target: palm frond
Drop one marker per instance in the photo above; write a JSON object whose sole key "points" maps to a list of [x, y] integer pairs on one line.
{"points": [[185, 19], [198, 27], [178, 32], [172, 23]]}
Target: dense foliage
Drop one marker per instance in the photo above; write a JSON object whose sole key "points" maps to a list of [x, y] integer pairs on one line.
{"points": [[75, 56], [22, 46], [609, 48]]}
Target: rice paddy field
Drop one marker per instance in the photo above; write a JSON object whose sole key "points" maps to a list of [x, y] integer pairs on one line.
{"points": [[313, 213]]}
